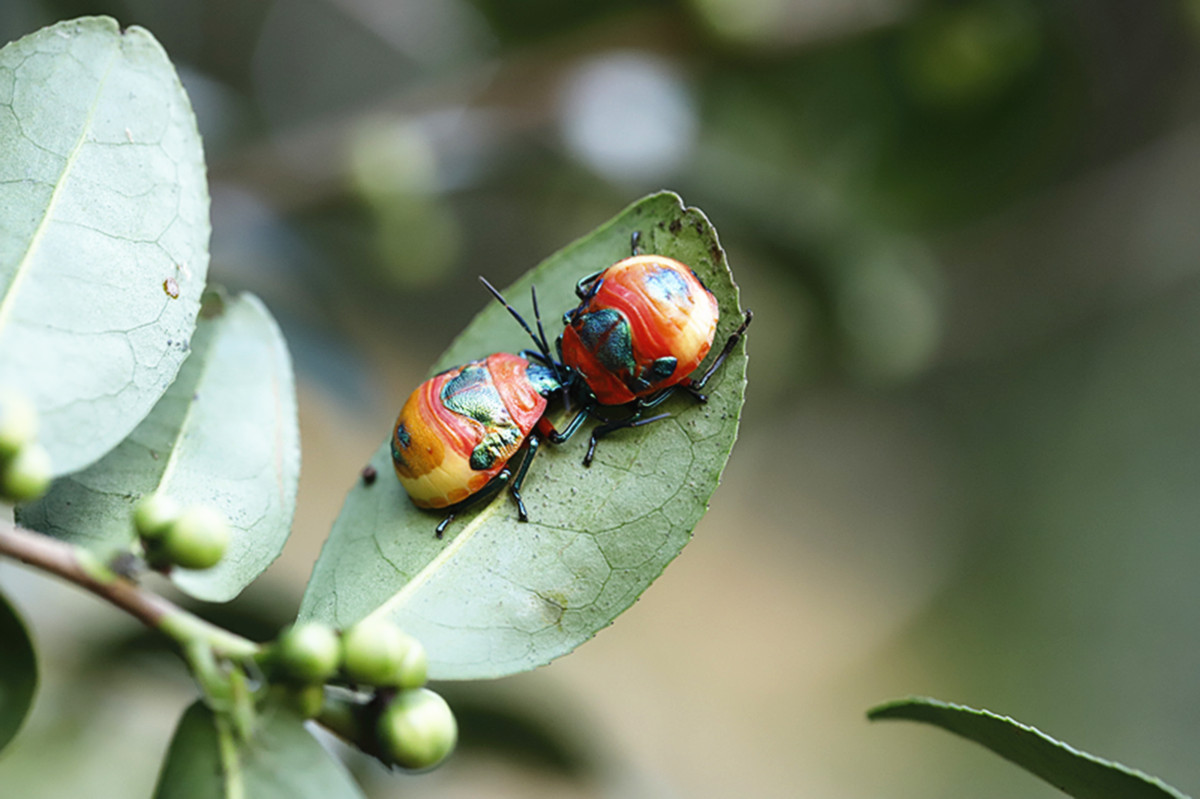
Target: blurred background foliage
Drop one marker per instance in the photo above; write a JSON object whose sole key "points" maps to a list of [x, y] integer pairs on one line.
{"points": [[970, 454]]}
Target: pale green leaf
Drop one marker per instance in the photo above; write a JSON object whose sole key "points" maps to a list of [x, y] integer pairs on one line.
{"points": [[225, 435], [281, 761], [1076, 773], [103, 217], [498, 596], [18, 672]]}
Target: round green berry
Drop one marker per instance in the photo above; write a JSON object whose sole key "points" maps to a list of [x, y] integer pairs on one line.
{"points": [[376, 652], [27, 475], [154, 514], [308, 653], [417, 729], [18, 423], [197, 539], [414, 666]]}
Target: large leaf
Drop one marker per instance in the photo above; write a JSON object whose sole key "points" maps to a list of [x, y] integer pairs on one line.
{"points": [[497, 596], [1076, 773], [224, 434], [103, 230], [18, 672], [282, 761]]}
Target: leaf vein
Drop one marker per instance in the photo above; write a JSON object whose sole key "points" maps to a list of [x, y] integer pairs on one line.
{"points": [[23, 264]]}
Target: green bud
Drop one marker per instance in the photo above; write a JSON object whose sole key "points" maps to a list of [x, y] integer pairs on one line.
{"points": [[308, 653], [18, 423], [197, 539], [154, 514], [417, 729], [414, 668], [305, 700], [376, 652], [27, 475]]}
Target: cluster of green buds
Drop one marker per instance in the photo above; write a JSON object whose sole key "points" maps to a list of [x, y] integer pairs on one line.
{"points": [[190, 538], [412, 727], [24, 464]]}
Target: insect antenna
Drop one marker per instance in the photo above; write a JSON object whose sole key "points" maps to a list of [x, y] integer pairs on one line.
{"points": [[544, 346], [537, 315], [538, 340]]}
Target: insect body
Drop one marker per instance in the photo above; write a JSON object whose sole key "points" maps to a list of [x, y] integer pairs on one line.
{"points": [[458, 432], [642, 326]]}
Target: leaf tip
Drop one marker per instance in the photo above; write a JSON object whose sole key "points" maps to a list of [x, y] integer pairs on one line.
{"points": [[893, 708]]}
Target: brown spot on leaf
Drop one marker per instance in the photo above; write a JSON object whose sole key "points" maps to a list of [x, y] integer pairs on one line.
{"points": [[171, 288]]}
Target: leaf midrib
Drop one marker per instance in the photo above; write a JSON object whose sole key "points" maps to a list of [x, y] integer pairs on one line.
{"points": [[23, 265], [427, 572], [181, 435], [418, 580]]}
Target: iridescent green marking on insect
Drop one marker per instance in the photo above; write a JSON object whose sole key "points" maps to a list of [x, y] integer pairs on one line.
{"points": [[605, 333], [543, 379], [496, 445], [660, 370], [400, 442], [471, 393]]}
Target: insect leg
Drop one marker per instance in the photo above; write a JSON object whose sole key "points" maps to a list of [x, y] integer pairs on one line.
{"points": [[547, 430], [695, 385], [635, 420], [515, 488]]}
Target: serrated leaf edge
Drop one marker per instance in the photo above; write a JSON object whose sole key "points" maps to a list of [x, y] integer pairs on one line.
{"points": [[894, 710]]}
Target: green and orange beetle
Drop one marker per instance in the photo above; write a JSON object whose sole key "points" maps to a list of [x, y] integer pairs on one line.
{"points": [[458, 432], [642, 326]]}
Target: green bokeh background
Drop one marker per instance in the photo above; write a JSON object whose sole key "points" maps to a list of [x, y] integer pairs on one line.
{"points": [[970, 455]]}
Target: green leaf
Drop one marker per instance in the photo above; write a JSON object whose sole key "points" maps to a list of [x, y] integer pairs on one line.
{"points": [[282, 761], [1076, 773], [103, 230], [497, 596], [18, 672], [225, 435]]}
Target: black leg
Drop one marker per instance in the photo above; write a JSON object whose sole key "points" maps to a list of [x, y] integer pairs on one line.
{"points": [[556, 437], [585, 287], [635, 240], [632, 421], [494, 485], [730, 343], [515, 488], [656, 399]]}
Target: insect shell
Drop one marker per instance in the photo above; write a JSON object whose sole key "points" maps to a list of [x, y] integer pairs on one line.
{"points": [[642, 327], [644, 324], [458, 431]]}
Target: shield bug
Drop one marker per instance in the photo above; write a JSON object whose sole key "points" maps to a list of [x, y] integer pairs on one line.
{"points": [[642, 327], [458, 437]]}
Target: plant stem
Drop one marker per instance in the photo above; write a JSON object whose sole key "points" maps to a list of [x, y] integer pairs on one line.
{"points": [[80, 567], [231, 767], [353, 721]]}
